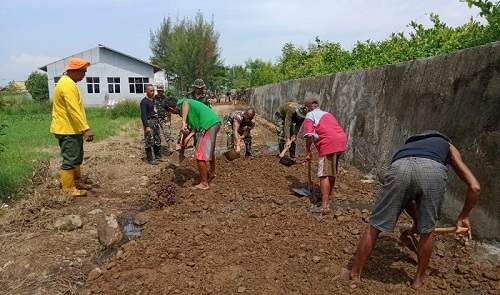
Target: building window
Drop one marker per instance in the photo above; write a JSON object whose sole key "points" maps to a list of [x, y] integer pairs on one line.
{"points": [[93, 85], [137, 84], [56, 79], [113, 85]]}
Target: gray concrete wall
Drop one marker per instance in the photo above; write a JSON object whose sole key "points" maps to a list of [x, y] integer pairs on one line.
{"points": [[457, 94]]}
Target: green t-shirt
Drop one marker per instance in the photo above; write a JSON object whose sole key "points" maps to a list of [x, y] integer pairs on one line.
{"points": [[200, 117]]}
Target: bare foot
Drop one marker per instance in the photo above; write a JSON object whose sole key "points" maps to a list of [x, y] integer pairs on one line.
{"points": [[419, 284], [345, 274], [326, 210]]}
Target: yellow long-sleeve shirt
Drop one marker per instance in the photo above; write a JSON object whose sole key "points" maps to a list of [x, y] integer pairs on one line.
{"points": [[68, 114]]}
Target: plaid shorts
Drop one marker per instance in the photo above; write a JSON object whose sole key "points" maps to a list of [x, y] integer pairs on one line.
{"points": [[411, 179]]}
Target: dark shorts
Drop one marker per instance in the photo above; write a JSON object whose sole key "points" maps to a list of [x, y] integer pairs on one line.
{"points": [[411, 179]]}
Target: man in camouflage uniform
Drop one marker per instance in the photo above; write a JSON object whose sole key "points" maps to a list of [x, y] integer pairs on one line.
{"points": [[164, 117], [237, 126], [149, 118], [198, 94], [288, 119]]}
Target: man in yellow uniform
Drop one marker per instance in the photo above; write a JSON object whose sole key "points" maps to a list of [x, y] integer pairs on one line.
{"points": [[69, 125]]}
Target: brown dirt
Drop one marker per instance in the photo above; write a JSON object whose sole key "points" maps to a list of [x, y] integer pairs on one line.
{"points": [[248, 234]]}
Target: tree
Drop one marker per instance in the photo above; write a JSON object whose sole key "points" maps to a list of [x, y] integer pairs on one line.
{"points": [[187, 50], [38, 86], [491, 12], [261, 72]]}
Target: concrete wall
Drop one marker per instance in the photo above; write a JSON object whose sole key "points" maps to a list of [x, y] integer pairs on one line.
{"points": [[457, 94]]}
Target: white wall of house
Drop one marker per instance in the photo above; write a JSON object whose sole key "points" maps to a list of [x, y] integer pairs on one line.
{"points": [[127, 76]]}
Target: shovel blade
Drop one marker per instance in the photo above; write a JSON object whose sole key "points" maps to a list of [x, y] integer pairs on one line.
{"points": [[287, 161], [231, 155], [176, 158], [303, 191]]}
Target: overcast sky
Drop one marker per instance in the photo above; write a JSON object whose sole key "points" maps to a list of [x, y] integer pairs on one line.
{"points": [[34, 33]]}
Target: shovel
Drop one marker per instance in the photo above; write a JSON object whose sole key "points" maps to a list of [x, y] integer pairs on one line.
{"points": [[438, 230], [306, 191], [177, 156], [408, 240], [282, 154], [287, 161]]}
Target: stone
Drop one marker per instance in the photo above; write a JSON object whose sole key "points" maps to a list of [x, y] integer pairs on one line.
{"points": [[68, 223], [94, 274], [144, 181], [474, 283], [109, 231], [142, 218], [463, 268], [94, 212], [241, 289]]}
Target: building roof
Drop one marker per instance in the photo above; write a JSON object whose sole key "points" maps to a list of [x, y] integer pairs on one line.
{"points": [[156, 68]]}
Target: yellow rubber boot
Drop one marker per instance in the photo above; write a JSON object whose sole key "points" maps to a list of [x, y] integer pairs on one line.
{"points": [[79, 184], [68, 185]]}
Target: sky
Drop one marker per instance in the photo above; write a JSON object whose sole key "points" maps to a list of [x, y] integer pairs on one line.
{"points": [[34, 33]]}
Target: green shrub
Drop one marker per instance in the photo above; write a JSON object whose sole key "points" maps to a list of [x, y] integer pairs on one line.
{"points": [[127, 108], [18, 103], [38, 86]]}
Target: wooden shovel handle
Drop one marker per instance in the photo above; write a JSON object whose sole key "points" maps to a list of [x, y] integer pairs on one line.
{"points": [[441, 230], [309, 181], [282, 154]]}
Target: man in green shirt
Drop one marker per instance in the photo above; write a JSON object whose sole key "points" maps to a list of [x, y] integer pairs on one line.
{"points": [[205, 125], [197, 94]]}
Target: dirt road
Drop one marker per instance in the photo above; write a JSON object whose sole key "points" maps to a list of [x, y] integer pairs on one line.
{"points": [[248, 234]]}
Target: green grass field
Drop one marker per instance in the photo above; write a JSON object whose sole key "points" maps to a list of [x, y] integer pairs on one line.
{"points": [[27, 140]]}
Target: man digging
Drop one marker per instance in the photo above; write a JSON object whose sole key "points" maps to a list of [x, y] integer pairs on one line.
{"points": [[416, 182]]}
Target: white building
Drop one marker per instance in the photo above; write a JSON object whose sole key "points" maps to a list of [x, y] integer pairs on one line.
{"points": [[111, 76]]}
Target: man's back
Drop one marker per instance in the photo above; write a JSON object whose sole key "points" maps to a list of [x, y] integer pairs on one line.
{"points": [[200, 116], [434, 148], [329, 137]]}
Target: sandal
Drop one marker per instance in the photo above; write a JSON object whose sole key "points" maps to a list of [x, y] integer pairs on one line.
{"points": [[320, 210], [199, 186]]}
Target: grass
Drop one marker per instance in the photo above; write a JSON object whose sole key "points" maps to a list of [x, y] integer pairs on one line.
{"points": [[27, 140]]}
